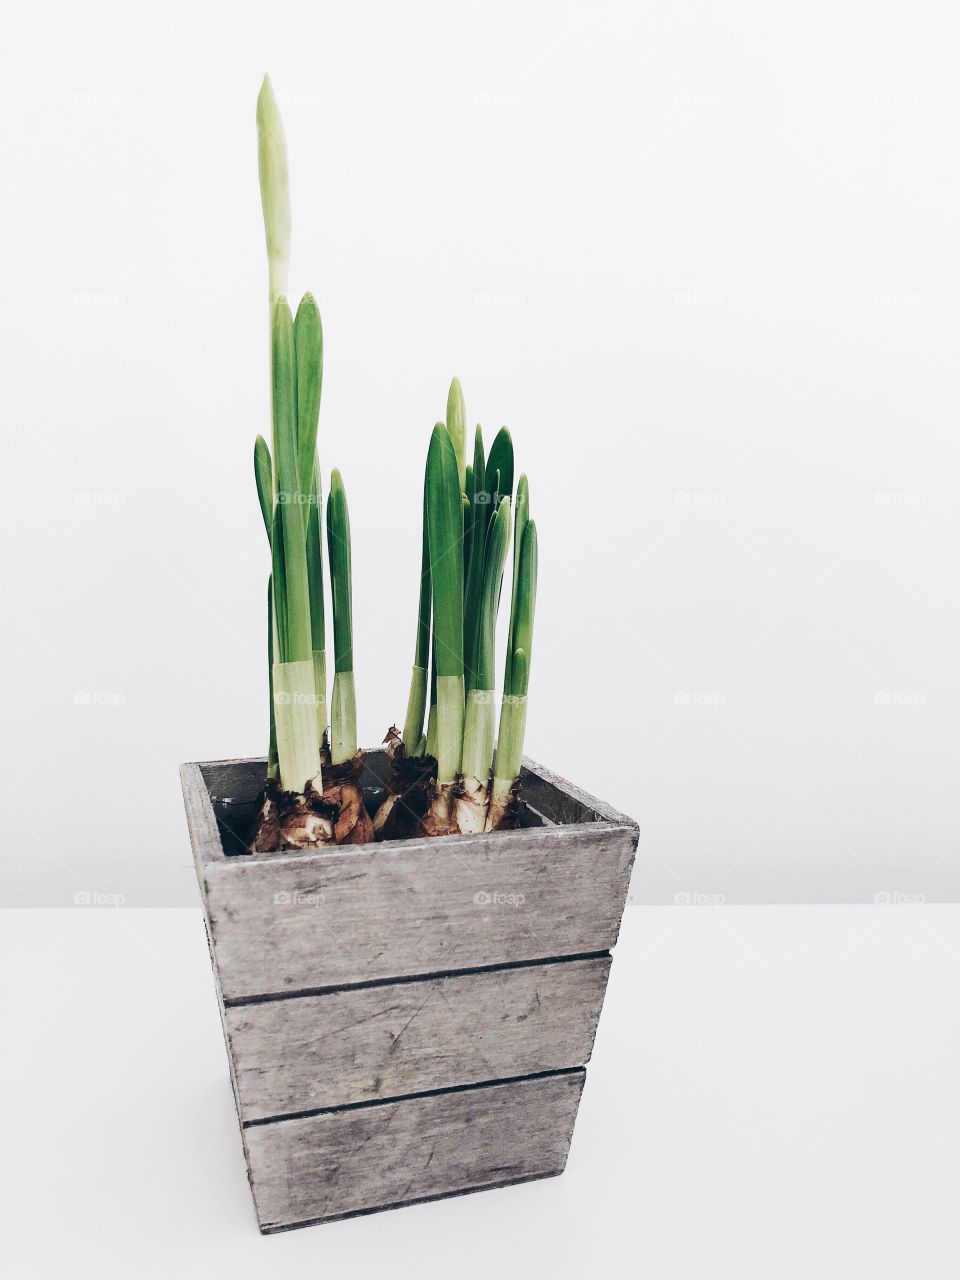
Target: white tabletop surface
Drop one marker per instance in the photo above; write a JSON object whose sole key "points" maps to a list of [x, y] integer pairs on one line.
{"points": [[774, 1093]]}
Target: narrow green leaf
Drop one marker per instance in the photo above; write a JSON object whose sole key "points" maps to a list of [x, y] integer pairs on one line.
{"points": [[273, 765], [524, 611], [338, 543], [278, 581], [468, 495], [445, 531], [308, 340], [498, 540], [521, 671], [457, 427], [501, 459], [314, 550], [477, 517], [521, 517], [296, 602], [263, 471]]}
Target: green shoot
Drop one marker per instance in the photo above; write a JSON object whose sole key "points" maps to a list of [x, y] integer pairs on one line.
{"points": [[263, 473], [501, 460], [522, 515], [343, 744], [274, 188], [298, 745], [478, 729], [477, 517], [308, 341], [417, 700], [457, 427], [445, 533], [513, 711]]}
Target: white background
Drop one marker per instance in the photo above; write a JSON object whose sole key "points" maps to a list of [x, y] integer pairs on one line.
{"points": [[702, 260]]}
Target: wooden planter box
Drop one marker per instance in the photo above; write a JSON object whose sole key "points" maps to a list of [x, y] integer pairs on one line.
{"points": [[407, 1020]]}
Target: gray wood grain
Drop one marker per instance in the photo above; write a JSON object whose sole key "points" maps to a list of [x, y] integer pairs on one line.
{"points": [[342, 1162], [415, 918], [201, 822], [563, 801], [352, 1046], [367, 912]]}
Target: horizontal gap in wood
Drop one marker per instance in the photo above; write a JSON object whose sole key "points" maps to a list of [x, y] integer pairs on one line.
{"points": [[236, 1002], [401, 1204], [410, 1097]]}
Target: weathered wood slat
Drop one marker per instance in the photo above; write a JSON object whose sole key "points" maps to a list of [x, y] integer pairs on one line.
{"points": [[201, 821], [367, 912], [376, 1042], [442, 974], [341, 1162]]}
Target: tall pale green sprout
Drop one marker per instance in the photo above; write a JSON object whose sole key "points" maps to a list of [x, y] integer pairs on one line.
{"points": [[343, 718], [479, 719], [430, 741], [445, 537], [467, 519], [298, 742], [274, 188], [415, 743], [457, 428], [475, 534], [308, 335], [491, 481], [513, 710], [263, 473], [302, 485], [521, 518]]}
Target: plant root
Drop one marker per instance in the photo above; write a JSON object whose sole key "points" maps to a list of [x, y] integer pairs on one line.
{"points": [[408, 786], [289, 821], [314, 820], [343, 791], [472, 807], [440, 818], [503, 813]]}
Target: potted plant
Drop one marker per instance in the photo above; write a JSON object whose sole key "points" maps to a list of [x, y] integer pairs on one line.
{"points": [[410, 945]]}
